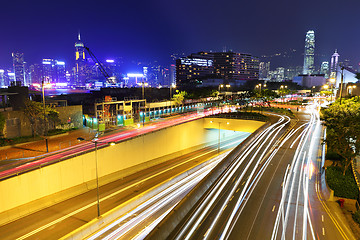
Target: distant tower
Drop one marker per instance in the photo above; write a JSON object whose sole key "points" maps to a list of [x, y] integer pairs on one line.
{"points": [[309, 53], [19, 68], [334, 64], [80, 62], [324, 69]]}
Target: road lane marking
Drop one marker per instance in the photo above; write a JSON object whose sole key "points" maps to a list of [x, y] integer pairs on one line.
{"points": [[104, 198], [273, 208], [322, 218], [323, 231]]}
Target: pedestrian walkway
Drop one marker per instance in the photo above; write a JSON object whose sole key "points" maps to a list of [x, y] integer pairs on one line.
{"points": [[36, 148]]}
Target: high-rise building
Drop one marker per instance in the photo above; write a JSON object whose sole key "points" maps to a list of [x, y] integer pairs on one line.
{"points": [[194, 68], [324, 69], [334, 63], [236, 67], [36, 73], [172, 75], [2, 78], [264, 68], [19, 68], [80, 63], [47, 70], [231, 67], [309, 53], [59, 72]]}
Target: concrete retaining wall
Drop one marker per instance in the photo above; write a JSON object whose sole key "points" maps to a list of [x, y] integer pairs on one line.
{"points": [[35, 190]]}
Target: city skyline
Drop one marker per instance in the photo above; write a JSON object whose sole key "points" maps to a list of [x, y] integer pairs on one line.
{"points": [[153, 31]]}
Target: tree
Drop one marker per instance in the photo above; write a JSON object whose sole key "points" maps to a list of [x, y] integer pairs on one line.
{"points": [[2, 123], [178, 98], [34, 111], [343, 129]]}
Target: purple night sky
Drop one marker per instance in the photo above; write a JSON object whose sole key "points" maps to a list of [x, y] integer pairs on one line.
{"points": [[152, 30]]}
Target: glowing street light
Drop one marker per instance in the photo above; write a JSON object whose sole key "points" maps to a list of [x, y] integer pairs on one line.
{"points": [[219, 133], [43, 86], [95, 141]]}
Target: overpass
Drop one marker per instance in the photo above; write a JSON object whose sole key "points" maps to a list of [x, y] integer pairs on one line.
{"points": [[40, 188]]}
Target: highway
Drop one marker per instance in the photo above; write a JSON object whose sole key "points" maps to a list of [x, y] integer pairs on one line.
{"points": [[270, 191], [62, 218], [23, 165]]}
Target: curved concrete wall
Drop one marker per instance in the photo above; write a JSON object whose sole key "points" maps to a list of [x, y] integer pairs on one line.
{"points": [[32, 191]]}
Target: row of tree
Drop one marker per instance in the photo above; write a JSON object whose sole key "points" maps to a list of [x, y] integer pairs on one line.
{"points": [[343, 129]]}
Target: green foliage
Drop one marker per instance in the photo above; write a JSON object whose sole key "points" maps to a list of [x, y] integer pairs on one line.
{"points": [[356, 216], [343, 129], [343, 185], [39, 117], [179, 97], [2, 123]]}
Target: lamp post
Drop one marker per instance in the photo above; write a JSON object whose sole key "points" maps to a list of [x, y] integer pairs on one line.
{"points": [[332, 82], [349, 89], [341, 83], [95, 141], [143, 91], [45, 127], [171, 87], [219, 139]]}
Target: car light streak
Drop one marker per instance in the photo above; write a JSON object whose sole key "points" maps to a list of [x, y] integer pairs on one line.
{"points": [[302, 169], [216, 191], [250, 180], [155, 203], [208, 202]]}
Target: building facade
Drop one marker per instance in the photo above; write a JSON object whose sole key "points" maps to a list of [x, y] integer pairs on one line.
{"points": [[19, 68], [80, 64], [231, 67], [309, 53]]}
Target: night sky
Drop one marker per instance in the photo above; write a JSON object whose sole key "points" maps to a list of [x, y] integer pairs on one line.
{"points": [[153, 29]]}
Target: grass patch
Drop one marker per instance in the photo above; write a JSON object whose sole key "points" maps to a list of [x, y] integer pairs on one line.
{"points": [[343, 186]]}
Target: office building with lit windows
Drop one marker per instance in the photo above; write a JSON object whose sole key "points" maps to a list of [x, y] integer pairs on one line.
{"points": [[309, 53], [231, 67], [19, 68], [194, 68], [80, 63]]}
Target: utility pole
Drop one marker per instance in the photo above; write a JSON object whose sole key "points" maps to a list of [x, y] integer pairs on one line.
{"points": [[45, 134], [341, 83]]}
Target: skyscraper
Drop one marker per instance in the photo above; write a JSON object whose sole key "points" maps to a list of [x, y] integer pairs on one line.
{"points": [[80, 63], [334, 63], [309, 53], [19, 68], [324, 69]]}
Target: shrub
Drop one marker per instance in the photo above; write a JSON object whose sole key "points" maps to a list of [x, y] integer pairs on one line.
{"points": [[356, 216], [343, 186]]}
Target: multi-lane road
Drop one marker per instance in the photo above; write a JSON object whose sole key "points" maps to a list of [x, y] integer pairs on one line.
{"points": [[60, 219], [269, 191]]}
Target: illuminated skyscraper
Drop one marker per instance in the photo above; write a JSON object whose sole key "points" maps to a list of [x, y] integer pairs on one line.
{"points": [[334, 64], [309, 53], [324, 69], [80, 63], [19, 68]]}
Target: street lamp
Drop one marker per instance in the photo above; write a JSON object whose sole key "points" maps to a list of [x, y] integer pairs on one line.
{"points": [[219, 134], [95, 141], [171, 87], [349, 89], [143, 84], [221, 86], [43, 86], [332, 82]]}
